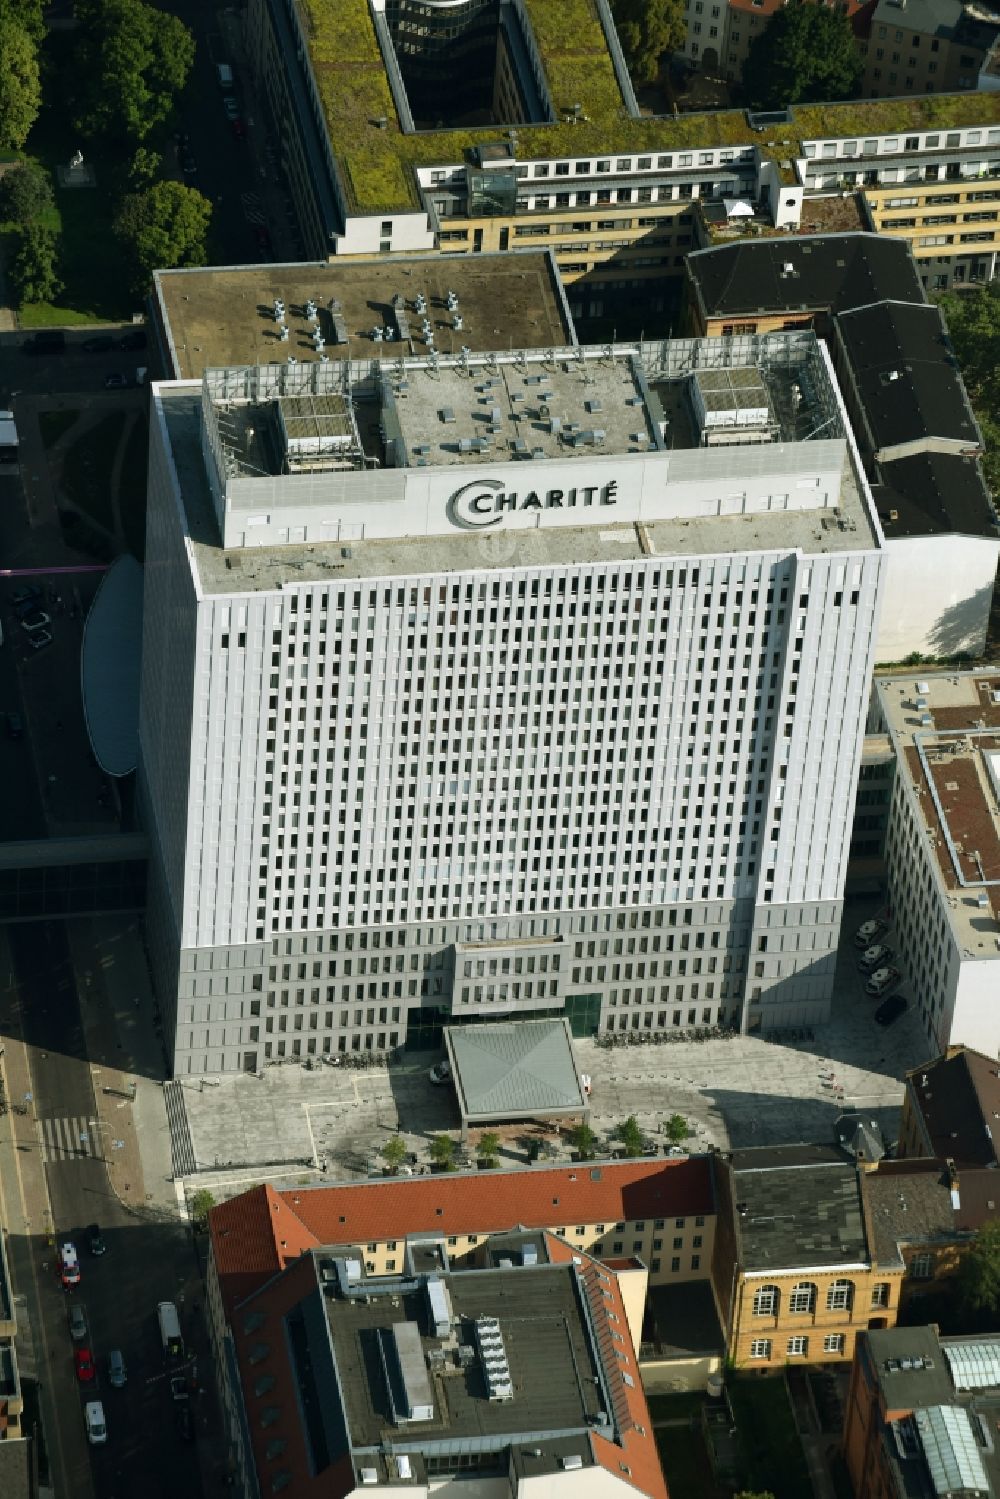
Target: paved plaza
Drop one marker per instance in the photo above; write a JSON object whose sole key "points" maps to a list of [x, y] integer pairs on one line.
{"points": [[733, 1093]]}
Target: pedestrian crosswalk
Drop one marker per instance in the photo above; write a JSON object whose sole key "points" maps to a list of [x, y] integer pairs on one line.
{"points": [[68, 1139]]}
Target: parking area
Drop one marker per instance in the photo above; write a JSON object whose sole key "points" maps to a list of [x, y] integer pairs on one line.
{"points": [[733, 1093]]}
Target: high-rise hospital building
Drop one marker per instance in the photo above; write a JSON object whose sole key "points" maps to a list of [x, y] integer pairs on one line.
{"points": [[506, 684]]}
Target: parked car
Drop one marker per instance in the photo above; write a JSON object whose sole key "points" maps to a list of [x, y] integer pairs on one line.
{"points": [[26, 596], [97, 1429], [134, 340], [49, 341], [99, 344], [84, 1360], [868, 932], [874, 957], [117, 1372], [77, 1322], [440, 1073], [69, 1264], [179, 1388], [188, 164], [881, 981], [891, 1010], [231, 107], [239, 130], [35, 619], [15, 726], [184, 1422], [95, 1240], [115, 381], [40, 639]]}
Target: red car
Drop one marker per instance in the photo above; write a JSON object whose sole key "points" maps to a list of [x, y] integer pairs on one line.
{"points": [[84, 1360], [239, 130]]}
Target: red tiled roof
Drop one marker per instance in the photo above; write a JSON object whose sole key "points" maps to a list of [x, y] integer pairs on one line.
{"points": [[491, 1201], [253, 1237], [247, 1231]]}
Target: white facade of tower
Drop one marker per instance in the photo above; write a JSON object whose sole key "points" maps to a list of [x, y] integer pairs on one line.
{"points": [[606, 766]]}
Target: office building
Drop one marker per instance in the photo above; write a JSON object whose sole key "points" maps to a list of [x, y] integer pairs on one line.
{"points": [[554, 149], [922, 1414], [909, 410], [515, 1373], [943, 851], [444, 660]]}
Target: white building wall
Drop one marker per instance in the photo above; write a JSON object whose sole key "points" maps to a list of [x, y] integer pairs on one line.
{"points": [[976, 1018], [938, 595]]}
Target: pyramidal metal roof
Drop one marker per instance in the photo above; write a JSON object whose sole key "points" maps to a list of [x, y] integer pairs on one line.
{"points": [[519, 1069]]}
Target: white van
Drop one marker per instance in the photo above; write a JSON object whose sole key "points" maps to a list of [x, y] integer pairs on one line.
{"points": [[225, 73], [97, 1430]]}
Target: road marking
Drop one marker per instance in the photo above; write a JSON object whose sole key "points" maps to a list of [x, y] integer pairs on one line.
{"points": [[67, 1139]]}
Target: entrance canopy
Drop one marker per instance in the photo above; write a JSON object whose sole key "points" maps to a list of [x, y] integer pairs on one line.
{"points": [[523, 1069]]}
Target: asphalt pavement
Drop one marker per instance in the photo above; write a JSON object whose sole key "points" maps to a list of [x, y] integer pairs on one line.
{"points": [[64, 1142]]}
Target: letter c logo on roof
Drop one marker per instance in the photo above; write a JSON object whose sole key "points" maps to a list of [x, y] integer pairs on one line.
{"points": [[471, 507]]}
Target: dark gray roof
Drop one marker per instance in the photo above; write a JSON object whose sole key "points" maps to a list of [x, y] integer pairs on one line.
{"points": [[933, 494], [931, 17], [515, 1070], [830, 272], [804, 1211], [17, 1469], [546, 1338], [906, 375], [958, 1097], [686, 1320], [912, 1387], [908, 1206], [860, 1136]]}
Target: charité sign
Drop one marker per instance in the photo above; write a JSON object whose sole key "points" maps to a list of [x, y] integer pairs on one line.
{"points": [[486, 502]]}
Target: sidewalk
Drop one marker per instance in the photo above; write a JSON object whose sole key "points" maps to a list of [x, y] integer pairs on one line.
{"points": [[125, 1052], [28, 1230], [126, 1062]]}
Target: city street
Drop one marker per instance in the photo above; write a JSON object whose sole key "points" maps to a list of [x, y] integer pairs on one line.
{"points": [[63, 1145]]}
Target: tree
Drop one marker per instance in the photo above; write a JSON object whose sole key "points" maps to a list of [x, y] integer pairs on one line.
{"points": [[583, 1141], [164, 226], [756, 1494], [27, 13], [489, 1147], [144, 168], [805, 54], [974, 326], [394, 1152], [443, 1152], [202, 1204], [647, 29], [25, 193], [134, 60], [631, 1136], [20, 83], [676, 1128], [979, 1272], [33, 271]]}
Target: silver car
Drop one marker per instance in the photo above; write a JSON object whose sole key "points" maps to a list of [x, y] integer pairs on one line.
{"points": [[77, 1322], [117, 1373]]}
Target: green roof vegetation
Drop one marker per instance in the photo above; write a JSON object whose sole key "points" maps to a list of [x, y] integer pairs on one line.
{"points": [[378, 164]]}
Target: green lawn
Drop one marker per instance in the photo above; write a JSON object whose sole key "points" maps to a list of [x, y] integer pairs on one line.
{"points": [[771, 1445]]}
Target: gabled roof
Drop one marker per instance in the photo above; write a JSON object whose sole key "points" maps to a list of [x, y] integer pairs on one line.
{"points": [[258, 1233], [933, 494], [803, 273], [958, 1098], [906, 375]]}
